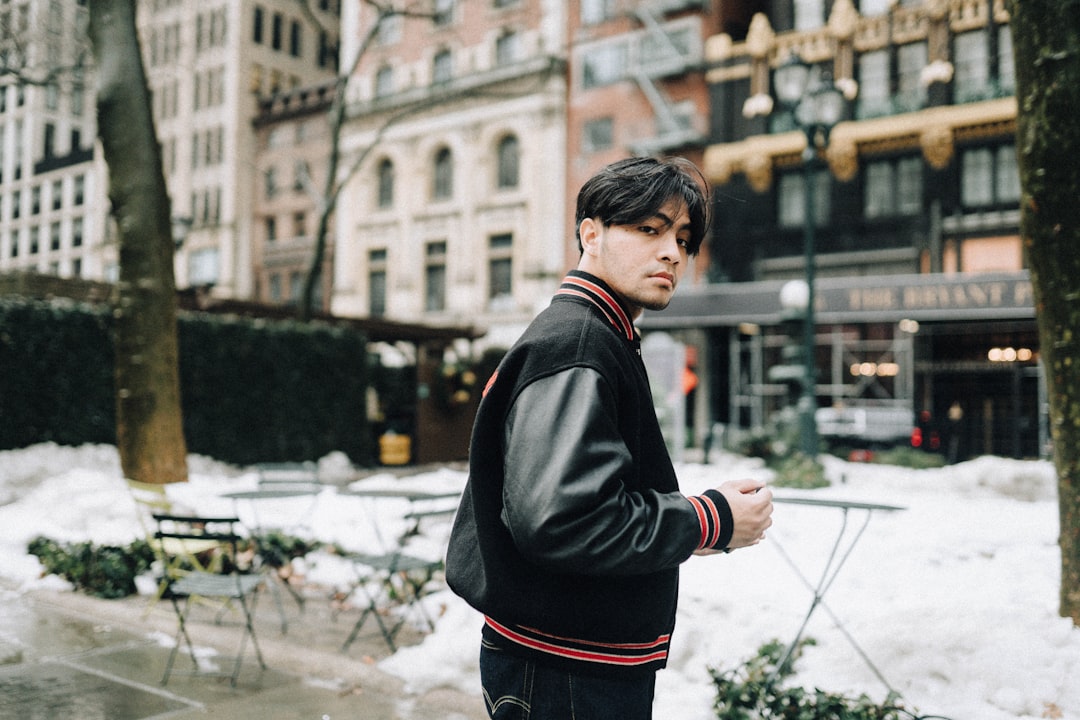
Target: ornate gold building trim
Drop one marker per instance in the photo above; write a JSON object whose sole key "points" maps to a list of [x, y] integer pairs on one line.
{"points": [[934, 130]]}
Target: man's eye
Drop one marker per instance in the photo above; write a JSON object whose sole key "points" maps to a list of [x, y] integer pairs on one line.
{"points": [[647, 229]]}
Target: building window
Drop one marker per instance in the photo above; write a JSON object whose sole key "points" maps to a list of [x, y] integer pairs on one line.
{"points": [[271, 229], [277, 29], [1006, 67], [77, 232], [596, 11], [791, 199], [390, 28], [300, 224], [507, 49], [377, 282], [435, 276], [603, 66], [57, 194], [442, 68], [275, 287], [910, 90], [598, 135], [296, 287], [16, 205], [384, 82], [443, 185], [508, 158], [270, 183], [989, 177], [870, 8], [326, 52], [54, 236], [257, 28], [809, 14], [80, 190], [301, 176], [385, 198], [35, 200], [500, 271], [294, 39], [971, 78], [893, 188], [874, 97], [444, 13]]}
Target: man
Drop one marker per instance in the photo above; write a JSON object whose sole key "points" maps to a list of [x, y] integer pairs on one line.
{"points": [[571, 529]]}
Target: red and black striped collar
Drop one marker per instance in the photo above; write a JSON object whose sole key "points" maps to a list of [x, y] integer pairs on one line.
{"points": [[591, 288]]}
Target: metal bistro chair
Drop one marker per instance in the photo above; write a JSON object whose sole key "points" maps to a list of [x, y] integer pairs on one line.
{"points": [[293, 483], [390, 581], [184, 583], [151, 499]]}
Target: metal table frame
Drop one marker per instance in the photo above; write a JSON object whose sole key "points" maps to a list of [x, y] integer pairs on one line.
{"points": [[833, 564]]}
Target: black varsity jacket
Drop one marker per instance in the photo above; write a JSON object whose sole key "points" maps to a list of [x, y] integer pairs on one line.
{"points": [[571, 528]]}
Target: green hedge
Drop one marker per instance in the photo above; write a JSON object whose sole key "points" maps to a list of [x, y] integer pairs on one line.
{"points": [[55, 374], [252, 391]]}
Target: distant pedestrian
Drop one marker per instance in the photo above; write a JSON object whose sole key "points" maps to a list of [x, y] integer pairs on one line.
{"points": [[572, 528]]}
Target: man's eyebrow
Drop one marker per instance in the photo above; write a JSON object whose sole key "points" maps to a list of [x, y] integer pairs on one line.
{"points": [[664, 218], [669, 222]]}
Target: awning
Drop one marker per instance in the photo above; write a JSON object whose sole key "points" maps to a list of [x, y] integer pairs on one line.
{"points": [[863, 299]]}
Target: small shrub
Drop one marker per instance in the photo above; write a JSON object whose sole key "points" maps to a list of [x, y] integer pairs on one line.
{"points": [[910, 458], [753, 691], [106, 571], [276, 549], [799, 471]]}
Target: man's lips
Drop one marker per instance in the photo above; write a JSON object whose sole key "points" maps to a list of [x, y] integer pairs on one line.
{"points": [[665, 276]]}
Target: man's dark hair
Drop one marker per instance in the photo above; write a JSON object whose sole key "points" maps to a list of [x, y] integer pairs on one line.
{"points": [[633, 190]]}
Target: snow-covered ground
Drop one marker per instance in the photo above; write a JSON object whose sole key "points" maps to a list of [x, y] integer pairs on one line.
{"points": [[953, 599]]}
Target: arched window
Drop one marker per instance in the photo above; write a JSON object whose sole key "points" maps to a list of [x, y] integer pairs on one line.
{"points": [[386, 184], [508, 157], [443, 186]]}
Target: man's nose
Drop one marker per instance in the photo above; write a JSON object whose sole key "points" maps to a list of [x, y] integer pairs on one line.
{"points": [[669, 247]]}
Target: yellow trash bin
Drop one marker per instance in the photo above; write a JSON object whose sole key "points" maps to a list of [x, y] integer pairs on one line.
{"points": [[394, 449]]}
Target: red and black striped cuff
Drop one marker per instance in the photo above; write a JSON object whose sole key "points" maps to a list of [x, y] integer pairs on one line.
{"points": [[714, 515]]}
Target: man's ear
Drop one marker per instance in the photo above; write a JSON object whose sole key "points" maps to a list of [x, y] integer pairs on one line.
{"points": [[589, 232]]}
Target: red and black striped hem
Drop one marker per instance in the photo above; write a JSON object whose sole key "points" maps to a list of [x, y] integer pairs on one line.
{"points": [[576, 650]]}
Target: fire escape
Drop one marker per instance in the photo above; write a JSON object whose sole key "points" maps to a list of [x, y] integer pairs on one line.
{"points": [[667, 49]]}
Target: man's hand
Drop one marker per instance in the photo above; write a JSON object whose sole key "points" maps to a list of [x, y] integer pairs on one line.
{"points": [[751, 510]]}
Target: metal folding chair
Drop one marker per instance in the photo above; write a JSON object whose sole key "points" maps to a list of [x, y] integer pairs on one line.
{"points": [[394, 581], [193, 546]]}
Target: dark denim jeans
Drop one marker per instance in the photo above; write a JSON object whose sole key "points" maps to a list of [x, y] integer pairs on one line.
{"points": [[518, 689]]}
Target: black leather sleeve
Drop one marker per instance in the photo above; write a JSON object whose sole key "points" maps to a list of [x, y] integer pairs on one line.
{"points": [[565, 501]]}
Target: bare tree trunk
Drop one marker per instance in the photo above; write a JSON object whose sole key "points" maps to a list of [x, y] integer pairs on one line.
{"points": [[149, 425], [1046, 44]]}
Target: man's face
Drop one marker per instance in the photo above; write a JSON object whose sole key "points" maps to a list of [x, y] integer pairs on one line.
{"points": [[642, 262]]}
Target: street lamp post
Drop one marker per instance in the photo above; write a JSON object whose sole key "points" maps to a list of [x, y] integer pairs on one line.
{"points": [[816, 105]]}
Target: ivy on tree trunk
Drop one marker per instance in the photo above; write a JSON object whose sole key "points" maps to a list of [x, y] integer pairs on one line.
{"points": [[149, 424], [1046, 46]]}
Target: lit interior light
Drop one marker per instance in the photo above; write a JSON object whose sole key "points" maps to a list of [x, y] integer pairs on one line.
{"points": [[909, 326], [888, 370], [1009, 354]]}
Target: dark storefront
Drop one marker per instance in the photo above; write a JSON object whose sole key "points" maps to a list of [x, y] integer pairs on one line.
{"points": [[958, 353]]}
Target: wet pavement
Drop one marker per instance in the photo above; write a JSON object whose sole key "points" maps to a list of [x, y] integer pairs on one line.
{"points": [[67, 655]]}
